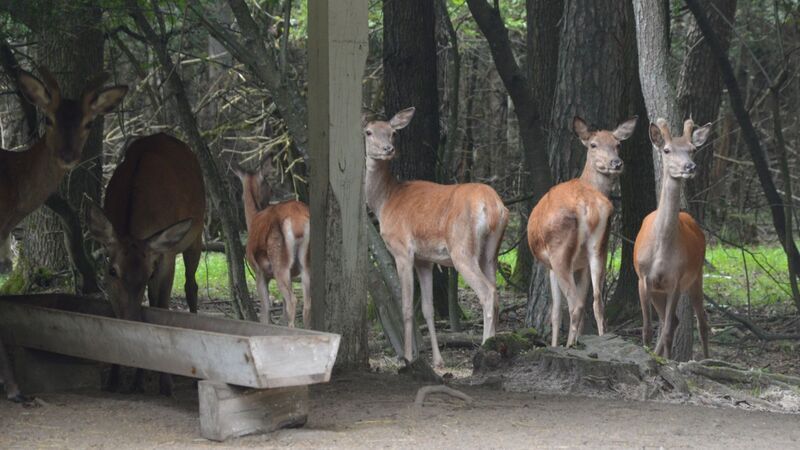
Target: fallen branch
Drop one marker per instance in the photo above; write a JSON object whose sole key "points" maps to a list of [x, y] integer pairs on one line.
{"points": [[424, 391], [755, 329], [731, 375]]}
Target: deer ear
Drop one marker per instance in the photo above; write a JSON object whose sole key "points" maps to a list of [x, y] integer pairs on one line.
{"points": [[402, 118], [100, 227], [166, 239], [701, 134], [625, 129], [34, 90], [656, 137], [581, 128], [104, 101]]}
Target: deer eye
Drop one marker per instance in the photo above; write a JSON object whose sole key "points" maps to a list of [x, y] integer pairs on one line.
{"points": [[48, 122], [666, 150], [593, 145], [368, 133], [113, 272], [88, 125]]}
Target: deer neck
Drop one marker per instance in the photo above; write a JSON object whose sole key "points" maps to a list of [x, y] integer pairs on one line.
{"points": [[669, 206], [379, 183], [599, 181], [44, 173], [250, 207]]}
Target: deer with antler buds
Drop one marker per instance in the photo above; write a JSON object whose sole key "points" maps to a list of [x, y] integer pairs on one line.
{"points": [[670, 248], [28, 177]]}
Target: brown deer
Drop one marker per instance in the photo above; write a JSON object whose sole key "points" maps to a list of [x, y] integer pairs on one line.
{"points": [[568, 228], [423, 223], [670, 248], [28, 177], [154, 208], [277, 243]]}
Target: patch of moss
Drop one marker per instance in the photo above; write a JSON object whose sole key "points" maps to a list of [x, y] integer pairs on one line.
{"points": [[508, 345], [15, 284], [659, 359]]}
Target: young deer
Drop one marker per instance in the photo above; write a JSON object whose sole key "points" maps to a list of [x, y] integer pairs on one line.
{"points": [[28, 177], [568, 228], [423, 223], [670, 247], [277, 243], [154, 208]]}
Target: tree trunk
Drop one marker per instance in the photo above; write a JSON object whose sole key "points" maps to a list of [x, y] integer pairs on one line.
{"points": [[699, 93], [71, 46], [409, 53], [542, 18], [337, 50], [590, 83], [637, 185]]}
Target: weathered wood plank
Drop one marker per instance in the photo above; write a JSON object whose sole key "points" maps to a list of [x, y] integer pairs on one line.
{"points": [[230, 411], [263, 356], [39, 371]]}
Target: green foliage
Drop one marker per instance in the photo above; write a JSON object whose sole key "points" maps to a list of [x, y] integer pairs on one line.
{"points": [[13, 283]]}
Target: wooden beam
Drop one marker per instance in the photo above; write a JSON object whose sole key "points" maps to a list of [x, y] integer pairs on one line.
{"points": [[230, 411], [337, 50], [230, 351]]}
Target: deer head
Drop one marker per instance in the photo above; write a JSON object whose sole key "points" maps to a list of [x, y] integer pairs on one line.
{"points": [[131, 261], [603, 146], [379, 135], [677, 152], [69, 121], [255, 184]]}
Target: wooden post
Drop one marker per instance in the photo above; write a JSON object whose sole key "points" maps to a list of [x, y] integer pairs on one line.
{"points": [[337, 50], [228, 411]]}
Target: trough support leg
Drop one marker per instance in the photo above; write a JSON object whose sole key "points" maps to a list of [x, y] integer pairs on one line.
{"points": [[228, 411]]}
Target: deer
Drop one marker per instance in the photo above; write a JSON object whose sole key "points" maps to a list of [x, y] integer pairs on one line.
{"points": [[154, 208], [278, 239], [669, 251], [568, 228], [425, 223], [29, 177]]}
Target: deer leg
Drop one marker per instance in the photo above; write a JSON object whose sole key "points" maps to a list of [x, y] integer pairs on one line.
{"points": [[566, 281], [471, 271], [425, 274], [405, 272], [664, 347], [191, 260], [582, 284], [305, 277], [489, 267], [262, 285], [647, 324], [284, 280], [696, 296], [555, 309], [597, 267]]}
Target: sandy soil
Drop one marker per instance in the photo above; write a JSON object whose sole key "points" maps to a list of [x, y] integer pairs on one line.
{"points": [[376, 411]]}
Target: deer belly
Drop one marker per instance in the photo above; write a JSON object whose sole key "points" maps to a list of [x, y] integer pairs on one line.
{"points": [[435, 252]]}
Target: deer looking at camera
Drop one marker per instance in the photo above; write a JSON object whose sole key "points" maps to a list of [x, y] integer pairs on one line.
{"points": [[277, 243], [423, 223], [568, 228], [670, 248], [154, 207], [29, 177]]}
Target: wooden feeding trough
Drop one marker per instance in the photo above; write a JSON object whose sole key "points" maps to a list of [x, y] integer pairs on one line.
{"points": [[229, 356]]}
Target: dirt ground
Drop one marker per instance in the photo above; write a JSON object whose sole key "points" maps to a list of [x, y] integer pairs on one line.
{"points": [[376, 411]]}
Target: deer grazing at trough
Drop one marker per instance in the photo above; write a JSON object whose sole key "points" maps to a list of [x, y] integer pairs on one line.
{"points": [[154, 208], [29, 177], [568, 228], [277, 243], [670, 248], [423, 223]]}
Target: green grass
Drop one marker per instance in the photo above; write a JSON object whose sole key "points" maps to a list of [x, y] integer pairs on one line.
{"points": [[766, 277]]}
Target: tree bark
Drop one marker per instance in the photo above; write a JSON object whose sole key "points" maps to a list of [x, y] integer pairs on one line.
{"points": [[221, 194], [542, 41], [71, 46]]}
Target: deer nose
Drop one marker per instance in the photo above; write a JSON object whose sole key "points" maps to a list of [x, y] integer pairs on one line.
{"points": [[388, 148], [616, 163], [689, 167]]}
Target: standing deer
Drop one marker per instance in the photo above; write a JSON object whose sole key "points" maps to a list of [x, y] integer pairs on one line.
{"points": [[670, 248], [154, 208], [277, 243], [28, 177], [568, 228], [423, 223]]}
